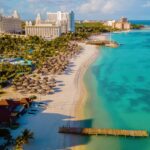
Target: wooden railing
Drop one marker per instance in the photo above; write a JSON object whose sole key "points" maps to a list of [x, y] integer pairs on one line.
{"points": [[109, 132]]}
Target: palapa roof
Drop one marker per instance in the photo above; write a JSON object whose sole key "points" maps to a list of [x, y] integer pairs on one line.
{"points": [[23, 101], [4, 102]]}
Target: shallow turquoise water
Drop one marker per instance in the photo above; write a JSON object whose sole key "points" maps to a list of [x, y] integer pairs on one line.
{"points": [[118, 83]]}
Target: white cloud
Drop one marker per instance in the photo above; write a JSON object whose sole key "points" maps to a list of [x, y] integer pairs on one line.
{"points": [[90, 6], [147, 4], [52, 1], [103, 6], [82, 8], [59, 4], [110, 7], [41, 11]]}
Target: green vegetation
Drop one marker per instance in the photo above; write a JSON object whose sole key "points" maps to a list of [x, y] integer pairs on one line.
{"points": [[4, 133], [2, 92], [33, 97], [18, 47], [92, 28], [18, 143], [137, 26], [9, 71], [38, 50], [23, 139]]}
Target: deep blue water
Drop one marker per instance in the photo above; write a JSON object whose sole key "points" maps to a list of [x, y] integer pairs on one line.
{"points": [[118, 83], [142, 22]]}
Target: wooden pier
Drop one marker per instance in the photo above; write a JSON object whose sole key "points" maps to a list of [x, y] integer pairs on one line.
{"points": [[106, 43], [109, 132]]}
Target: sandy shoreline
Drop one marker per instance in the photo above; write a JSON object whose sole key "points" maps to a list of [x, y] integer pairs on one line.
{"points": [[82, 93], [64, 108]]}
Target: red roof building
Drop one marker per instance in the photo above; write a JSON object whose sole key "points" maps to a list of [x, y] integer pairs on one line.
{"points": [[10, 109]]}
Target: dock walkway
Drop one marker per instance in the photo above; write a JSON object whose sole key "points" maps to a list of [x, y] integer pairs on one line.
{"points": [[109, 132], [106, 43]]}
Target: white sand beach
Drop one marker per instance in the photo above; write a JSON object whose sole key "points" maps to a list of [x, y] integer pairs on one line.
{"points": [[100, 37], [63, 108]]}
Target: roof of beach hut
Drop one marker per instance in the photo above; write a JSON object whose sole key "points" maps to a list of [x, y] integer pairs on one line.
{"points": [[23, 101], [4, 102]]}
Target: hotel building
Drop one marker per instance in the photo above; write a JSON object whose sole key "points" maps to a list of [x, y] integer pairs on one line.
{"points": [[55, 24], [10, 24], [122, 24], [64, 19]]}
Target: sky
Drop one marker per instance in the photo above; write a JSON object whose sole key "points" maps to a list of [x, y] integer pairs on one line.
{"points": [[84, 9]]}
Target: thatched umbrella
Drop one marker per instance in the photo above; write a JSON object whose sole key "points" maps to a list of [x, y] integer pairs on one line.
{"points": [[43, 91], [47, 87], [52, 85], [25, 84], [31, 85], [29, 88], [32, 91], [44, 82], [37, 82], [22, 91], [19, 88], [19, 83], [25, 91], [14, 86], [51, 71], [22, 78], [59, 72], [46, 78], [51, 91], [33, 81], [52, 80], [38, 78], [35, 90]]}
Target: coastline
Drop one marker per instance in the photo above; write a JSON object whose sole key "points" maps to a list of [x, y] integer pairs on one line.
{"points": [[106, 112], [61, 108], [79, 81], [82, 91]]}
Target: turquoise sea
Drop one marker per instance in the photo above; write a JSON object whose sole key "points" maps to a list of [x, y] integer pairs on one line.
{"points": [[118, 83]]}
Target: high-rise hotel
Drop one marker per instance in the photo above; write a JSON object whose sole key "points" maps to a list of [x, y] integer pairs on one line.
{"points": [[10, 24], [55, 24]]}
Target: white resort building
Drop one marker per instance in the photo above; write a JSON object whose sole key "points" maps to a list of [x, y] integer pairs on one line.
{"points": [[55, 24], [10, 24]]}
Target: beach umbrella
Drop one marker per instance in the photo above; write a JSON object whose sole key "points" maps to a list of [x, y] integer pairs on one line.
{"points": [[52, 80], [22, 91], [38, 78], [25, 84], [47, 87], [51, 91], [44, 82], [19, 88], [43, 91], [19, 83], [29, 88], [52, 85], [32, 91], [14, 86], [38, 82]]}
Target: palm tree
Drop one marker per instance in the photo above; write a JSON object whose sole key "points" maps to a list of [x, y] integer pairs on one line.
{"points": [[19, 142], [27, 135], [9, 139], [23, 139]]}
